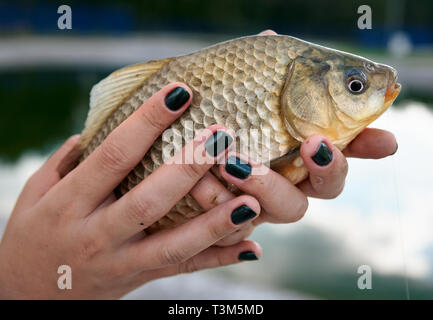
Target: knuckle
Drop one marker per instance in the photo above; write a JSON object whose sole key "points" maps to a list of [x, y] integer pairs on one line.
{"points": [[236, 237], [71, 142], [171, 256], [117, 271], [266, 182], [33, 180], [139, 208], [192, 171], [90, 247], [152, 119], [220, 260], [217, 231], [60, 212], [113, 158], [256, 180], [188, 266]]}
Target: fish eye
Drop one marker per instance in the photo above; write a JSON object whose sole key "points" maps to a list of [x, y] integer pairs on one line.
{"points": [[356, 86], [356, 81]]}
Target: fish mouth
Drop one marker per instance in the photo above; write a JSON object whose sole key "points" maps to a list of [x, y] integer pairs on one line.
{"points": [[392, 92], [393, 88]]}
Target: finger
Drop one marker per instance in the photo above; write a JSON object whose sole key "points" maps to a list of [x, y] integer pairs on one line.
{"points": [[159, 192], [212, 257], [372, 144], [279, 198], [96, 177], [70, 161], [327, 167], [177, 245], [46, 177], [215, 257], [267, 33], [210, 192], [237, 236], [61, 155]]}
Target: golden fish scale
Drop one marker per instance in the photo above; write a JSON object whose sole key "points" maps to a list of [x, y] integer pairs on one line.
{"points": [[236, 84]]}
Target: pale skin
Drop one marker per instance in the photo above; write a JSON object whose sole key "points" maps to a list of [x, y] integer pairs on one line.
{"points": [[71, 217]]}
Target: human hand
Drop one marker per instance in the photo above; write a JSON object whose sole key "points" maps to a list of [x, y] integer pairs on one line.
{"points": [[76, 220]]}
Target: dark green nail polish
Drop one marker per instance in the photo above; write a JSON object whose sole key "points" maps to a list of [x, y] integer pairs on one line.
{"points": [[242, 214], [236, 167], [247, 256], [218, 143], [176, 98], [323, 155]]}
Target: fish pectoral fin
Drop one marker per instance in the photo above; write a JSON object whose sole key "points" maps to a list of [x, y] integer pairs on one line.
{"points": [[290, 166], [110, 92], [293, 172]]}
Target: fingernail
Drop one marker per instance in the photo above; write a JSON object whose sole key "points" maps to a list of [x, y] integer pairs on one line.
{"points": [[242, 214], [247, 256], [176, 98], [236, 167], [323, 155], [219, 142]]}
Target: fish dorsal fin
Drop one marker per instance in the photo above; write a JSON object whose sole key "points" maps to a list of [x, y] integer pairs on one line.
{"points": [[107, 95]]}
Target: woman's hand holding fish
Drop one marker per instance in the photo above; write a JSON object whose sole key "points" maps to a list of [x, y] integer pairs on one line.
{"points": [[76, 220], [326, 180], [281, 201]]}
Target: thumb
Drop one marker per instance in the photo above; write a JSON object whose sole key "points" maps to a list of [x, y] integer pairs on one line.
{"points": [[52, 171]]}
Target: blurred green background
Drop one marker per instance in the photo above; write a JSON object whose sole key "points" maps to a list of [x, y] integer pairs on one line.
{"points": [[46, 75]]}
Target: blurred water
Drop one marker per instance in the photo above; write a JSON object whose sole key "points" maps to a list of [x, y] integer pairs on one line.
{"points": [[383, 219]]}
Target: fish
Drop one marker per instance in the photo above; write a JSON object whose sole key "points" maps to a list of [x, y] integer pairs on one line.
{"points": [[272, 91]]}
